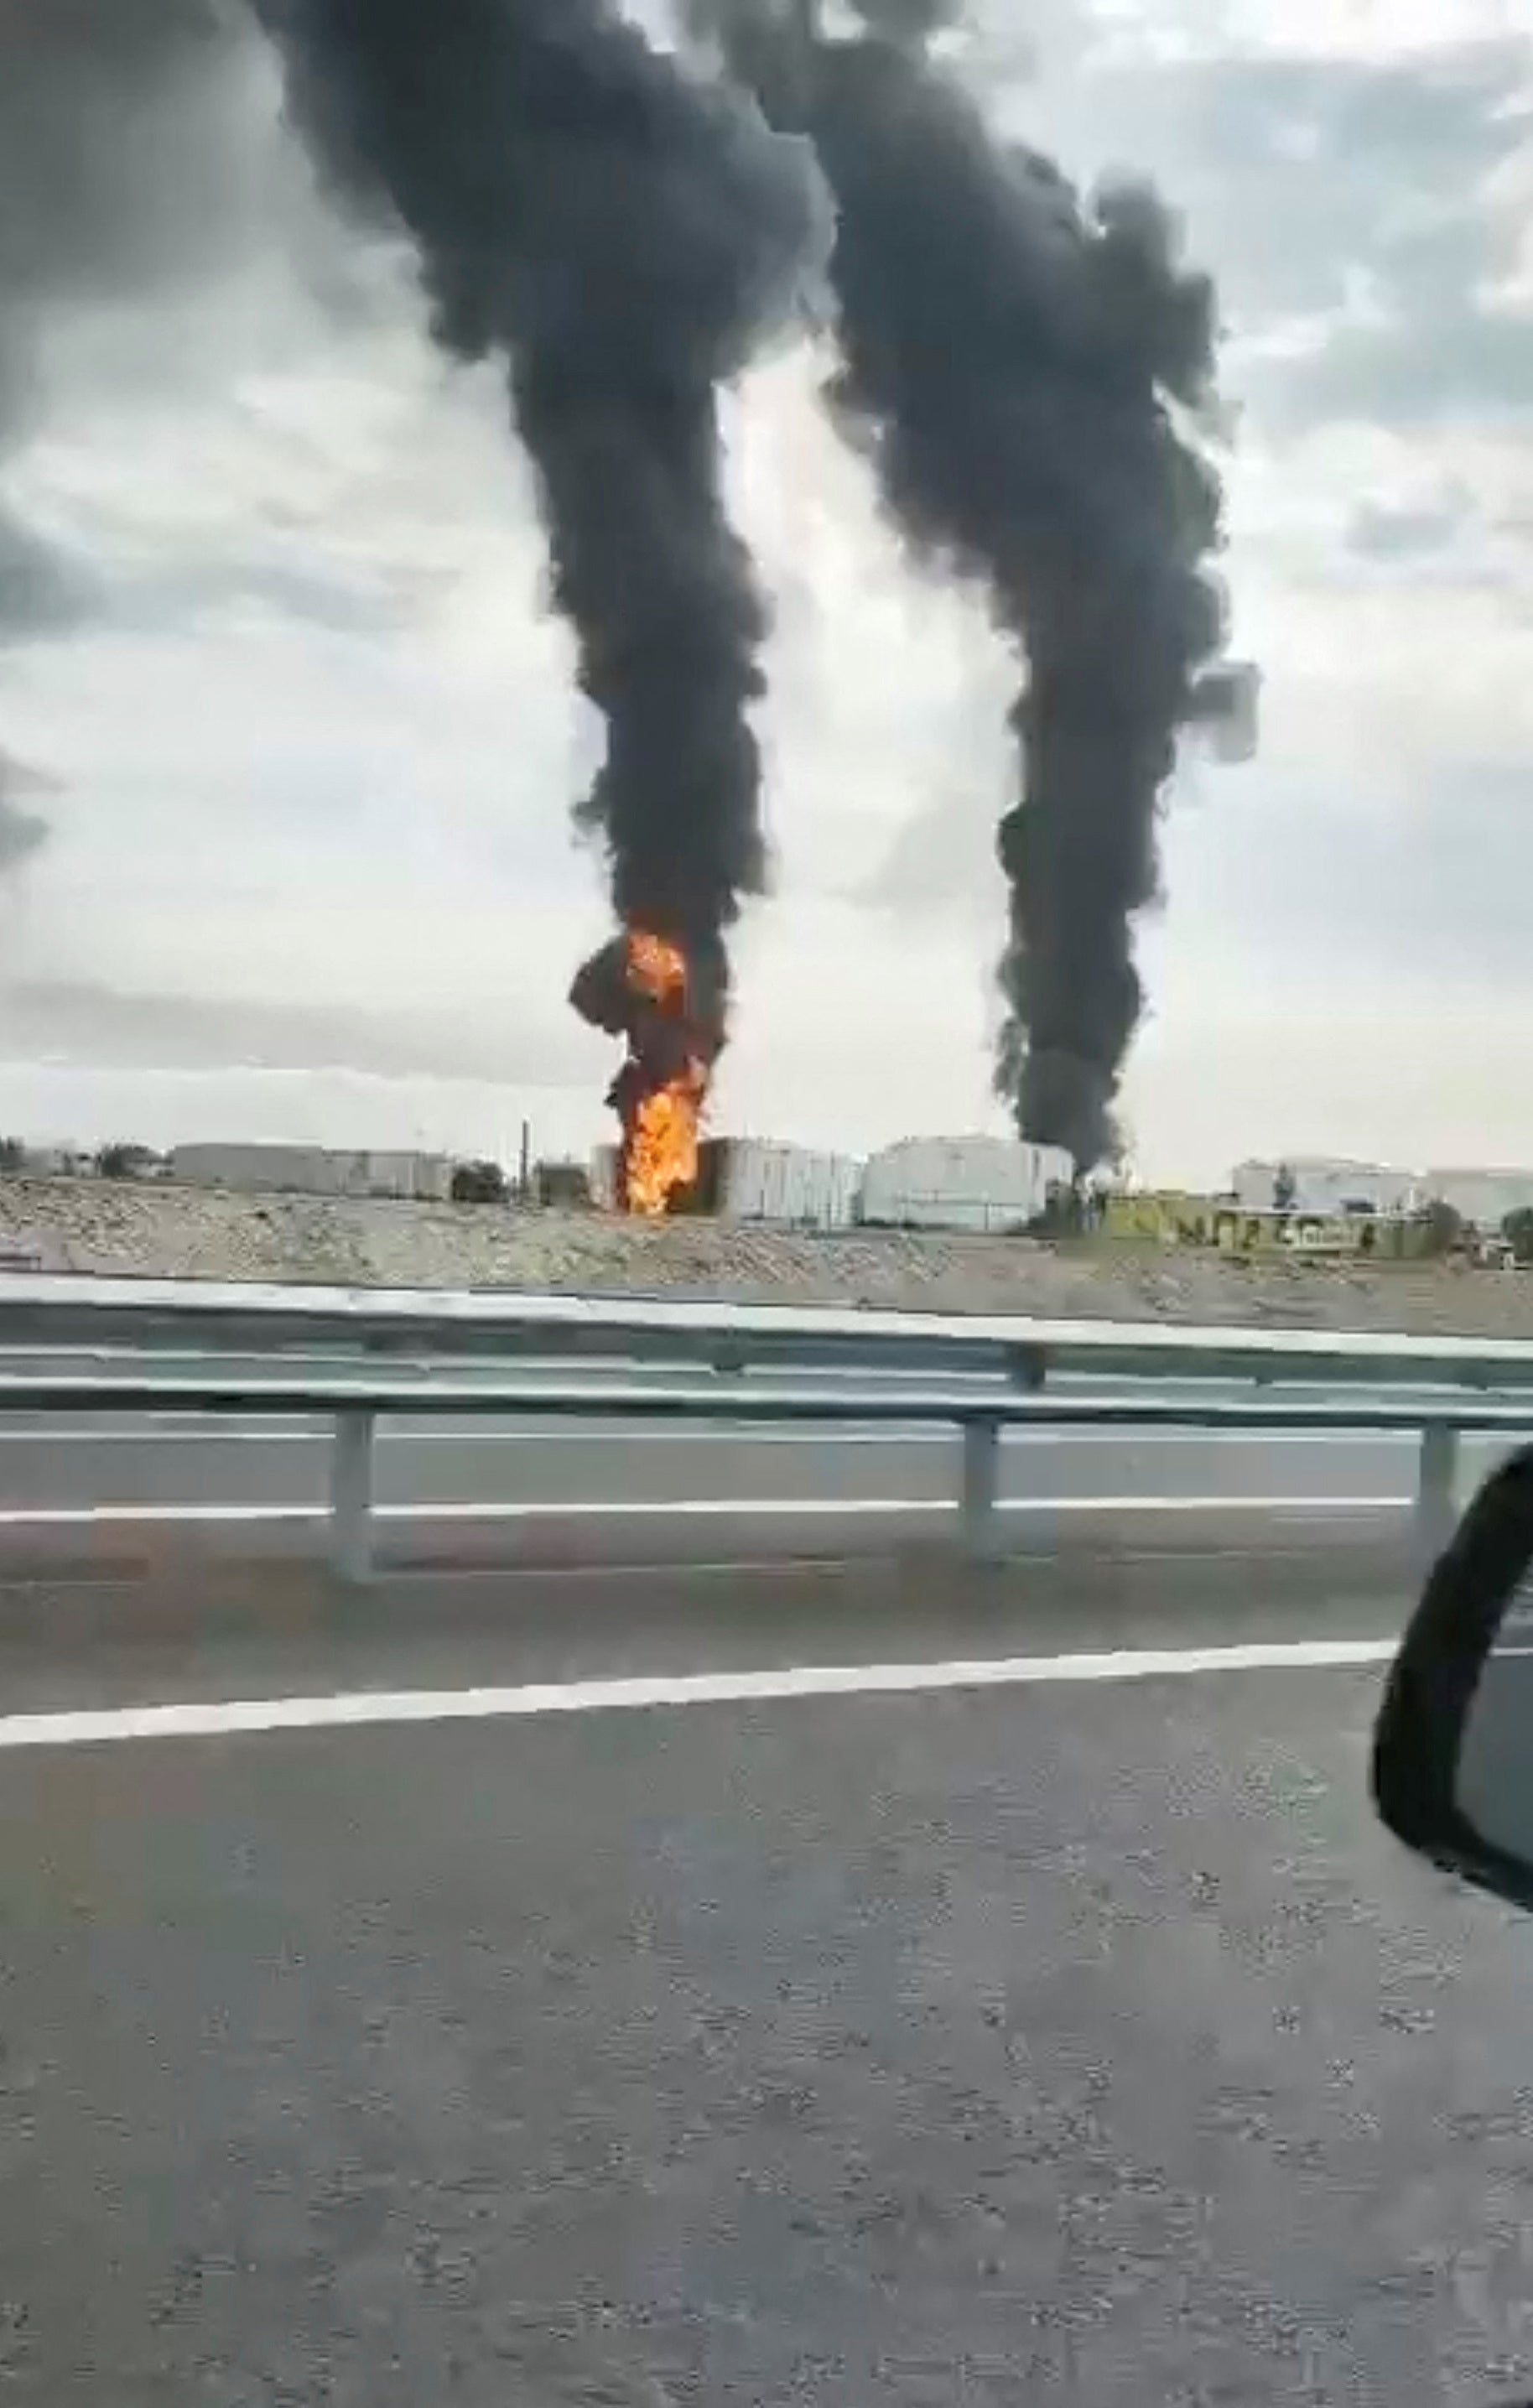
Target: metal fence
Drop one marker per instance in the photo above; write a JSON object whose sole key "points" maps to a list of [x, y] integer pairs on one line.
{"points": [[149, 1314], [979, 1374]]}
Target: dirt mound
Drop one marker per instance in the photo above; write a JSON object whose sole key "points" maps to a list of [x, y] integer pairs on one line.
{"points": [[102, 1225]]}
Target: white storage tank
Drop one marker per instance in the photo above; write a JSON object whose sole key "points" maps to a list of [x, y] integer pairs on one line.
{"points": [[985, 1183], [311, 1170], [255, 1170], [789, 1185], [604, 1177], [1324, 1185], [422, 1178]]}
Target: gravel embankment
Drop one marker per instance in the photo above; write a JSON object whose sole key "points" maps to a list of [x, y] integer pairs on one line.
{"points": [[189, 1233]]}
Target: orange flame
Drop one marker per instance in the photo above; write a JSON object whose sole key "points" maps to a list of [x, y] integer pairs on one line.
{"points": [[656, 968], [661, 1150], [660, 1141]]}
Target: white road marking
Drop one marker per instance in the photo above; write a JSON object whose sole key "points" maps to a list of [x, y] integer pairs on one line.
{"points": [[159, 1431], [357, 1709], [919, 1434], [237, 1431], [641, 1508]]}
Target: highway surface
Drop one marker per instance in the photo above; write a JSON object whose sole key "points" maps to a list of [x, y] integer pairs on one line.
{"points": [[733, 1975], [718, 2021]]}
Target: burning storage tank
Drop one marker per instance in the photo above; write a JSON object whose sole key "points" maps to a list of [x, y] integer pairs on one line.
{"points": [[962, 1183], [643, 988], [752, 1180]]}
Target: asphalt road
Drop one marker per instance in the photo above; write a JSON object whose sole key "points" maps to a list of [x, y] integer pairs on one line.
{"points": [[1075, 2037], [750, 1980]]}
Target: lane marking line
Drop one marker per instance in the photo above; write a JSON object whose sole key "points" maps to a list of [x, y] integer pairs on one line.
{"points": [[23, 1517], [237, 1432], [360, 1709], [94, 1581], [232, 1432]]}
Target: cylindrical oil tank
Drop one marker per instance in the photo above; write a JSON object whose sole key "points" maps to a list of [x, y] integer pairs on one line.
{"points": [[984, 1183]]}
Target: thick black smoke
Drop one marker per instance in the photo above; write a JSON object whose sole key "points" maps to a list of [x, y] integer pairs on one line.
{"points": [[619, 234], [116, 118], [1006, 358]]}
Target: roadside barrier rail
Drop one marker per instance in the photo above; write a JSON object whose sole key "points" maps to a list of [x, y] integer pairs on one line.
{"points": [[977, 1416], [147, 1315]]}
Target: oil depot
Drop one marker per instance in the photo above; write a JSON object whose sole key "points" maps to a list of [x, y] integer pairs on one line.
{"points": [[981, 1183]]}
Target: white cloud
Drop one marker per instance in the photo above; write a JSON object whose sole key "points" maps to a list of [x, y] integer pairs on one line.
{"points": [[887, 688], [1328, 30]]}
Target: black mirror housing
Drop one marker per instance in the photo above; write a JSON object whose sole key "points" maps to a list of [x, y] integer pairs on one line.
{"points": [[1453, 1750]]}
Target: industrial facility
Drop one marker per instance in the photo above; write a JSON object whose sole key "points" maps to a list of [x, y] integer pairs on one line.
{"points": [[1321, 1186], [1482, 1198], [1174, 1217], [1311, 1204], [984, 1183], [311, 1170]]}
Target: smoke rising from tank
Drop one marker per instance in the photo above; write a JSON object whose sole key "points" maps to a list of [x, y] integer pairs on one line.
{"points": [[1013, 364], [618, 234]]}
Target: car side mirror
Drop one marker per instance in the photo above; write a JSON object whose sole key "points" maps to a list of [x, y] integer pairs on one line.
{"points": [[1452, 1748]]}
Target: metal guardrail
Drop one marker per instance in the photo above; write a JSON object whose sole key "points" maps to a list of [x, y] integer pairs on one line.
{"points": [[1364, 1375], [147, 1314], [978, 1416]]}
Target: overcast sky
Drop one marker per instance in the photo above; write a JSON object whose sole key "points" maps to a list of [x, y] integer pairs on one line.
{"points": [[273, 641]]}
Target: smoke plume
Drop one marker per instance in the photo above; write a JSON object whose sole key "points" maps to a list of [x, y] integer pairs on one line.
{"points": [[1011, 363], [115, 118], [112, 113], [22, 832], [618, 234]]}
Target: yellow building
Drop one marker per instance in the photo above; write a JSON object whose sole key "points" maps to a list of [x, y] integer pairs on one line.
{"points": [[1172, 1217]]}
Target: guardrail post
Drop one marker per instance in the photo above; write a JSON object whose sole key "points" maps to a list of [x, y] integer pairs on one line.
{"points": [[1027, 1367], [351, 1495], [981, 1466], [1437, 1489]]}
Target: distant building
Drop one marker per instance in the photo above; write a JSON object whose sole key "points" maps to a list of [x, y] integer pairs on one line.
{"points": [[1174, 1217], [1326, 1185], [962, 1183], [562, 1185], [311, 1170], [58, 1161], [1482, 1197]]}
